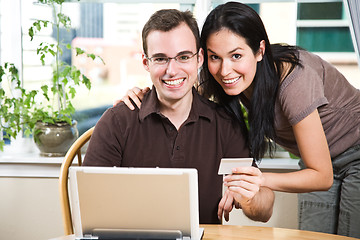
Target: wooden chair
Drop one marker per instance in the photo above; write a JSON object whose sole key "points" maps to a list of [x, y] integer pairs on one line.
{"points": [[75, 150]]}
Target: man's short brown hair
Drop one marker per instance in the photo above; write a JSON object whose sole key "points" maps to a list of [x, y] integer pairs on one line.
{"points": [[167, 19]]}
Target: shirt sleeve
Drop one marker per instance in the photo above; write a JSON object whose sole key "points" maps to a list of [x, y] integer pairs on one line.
{"points": [[302, 92], [104, 148]]}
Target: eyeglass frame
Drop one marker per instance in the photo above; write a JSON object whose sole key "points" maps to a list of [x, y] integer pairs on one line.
{"points": [[168, 59]]}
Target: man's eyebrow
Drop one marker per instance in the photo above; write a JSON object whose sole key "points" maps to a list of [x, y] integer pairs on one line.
{"points": [[178, 54], [158, 55], [184, 52]]}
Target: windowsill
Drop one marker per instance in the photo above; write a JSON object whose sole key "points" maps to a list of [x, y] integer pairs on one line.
{"points": [[22, 159], [279, 163], [339, 58], [29, 158], [25, 161]]}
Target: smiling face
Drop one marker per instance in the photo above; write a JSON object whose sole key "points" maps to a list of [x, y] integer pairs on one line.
{"points": [[232, 62], [174, 80]]}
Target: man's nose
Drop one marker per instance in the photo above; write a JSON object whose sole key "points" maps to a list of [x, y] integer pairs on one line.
{"points": [[172, 66]]}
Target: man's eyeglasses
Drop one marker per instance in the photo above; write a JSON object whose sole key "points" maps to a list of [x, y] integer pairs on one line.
{"points": [[181, 58]]}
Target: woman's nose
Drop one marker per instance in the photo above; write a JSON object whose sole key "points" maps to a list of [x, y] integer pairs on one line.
{"points": [[225, 68]]}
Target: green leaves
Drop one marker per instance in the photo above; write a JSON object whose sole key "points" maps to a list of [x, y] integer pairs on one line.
{"points": [[64, 20], [44, 49], [45, 89], [52, 1], [36, 27], [15, 108], [87, 82], [79, 51]]}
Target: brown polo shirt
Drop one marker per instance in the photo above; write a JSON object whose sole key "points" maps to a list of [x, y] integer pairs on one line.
{"points": [[146, 138]]}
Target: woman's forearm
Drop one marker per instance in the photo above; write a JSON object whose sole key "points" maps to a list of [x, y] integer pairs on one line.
{"points": [[306, 180]]}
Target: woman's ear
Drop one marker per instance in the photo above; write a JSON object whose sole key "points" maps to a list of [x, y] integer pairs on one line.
{"points": [[145, 62], [261, 51]]}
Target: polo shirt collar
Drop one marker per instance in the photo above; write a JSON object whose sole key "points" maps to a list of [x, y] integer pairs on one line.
{"points": [[199, 108]]}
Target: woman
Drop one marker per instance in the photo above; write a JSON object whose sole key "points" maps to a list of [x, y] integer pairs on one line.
{"points": [[296, 99], [299, 101]]}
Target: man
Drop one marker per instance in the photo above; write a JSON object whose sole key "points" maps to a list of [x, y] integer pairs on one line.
{"points": [[175, 127]]}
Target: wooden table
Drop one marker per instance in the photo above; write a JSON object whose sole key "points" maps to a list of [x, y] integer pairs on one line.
{"points": [[230, 232]]}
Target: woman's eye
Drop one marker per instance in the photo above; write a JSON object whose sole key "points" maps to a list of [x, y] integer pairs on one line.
{"points": [[213, 57], [236, 56]]}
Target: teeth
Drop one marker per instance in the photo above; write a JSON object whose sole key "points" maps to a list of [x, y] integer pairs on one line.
{"points": [[230, 80], [174, 82]]}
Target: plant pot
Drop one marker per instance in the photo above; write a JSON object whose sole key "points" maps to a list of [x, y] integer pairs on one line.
{"points": [[54, 140]]}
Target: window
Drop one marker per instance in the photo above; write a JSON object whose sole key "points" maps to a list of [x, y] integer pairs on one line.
{"points": [[322, 27], [112, 30], [108, 29]]}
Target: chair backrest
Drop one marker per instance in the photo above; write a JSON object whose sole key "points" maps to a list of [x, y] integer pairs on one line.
{"points": [[75, 150]]}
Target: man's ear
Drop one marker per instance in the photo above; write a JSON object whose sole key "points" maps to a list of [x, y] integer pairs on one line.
{"points": [[261, 52], [145, 62], [200, 57]]}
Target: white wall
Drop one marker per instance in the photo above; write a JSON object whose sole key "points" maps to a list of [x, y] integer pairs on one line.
{"points": [[29, 209]]}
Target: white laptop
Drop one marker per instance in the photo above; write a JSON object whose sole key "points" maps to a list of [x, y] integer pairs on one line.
{"points": [[134, 203]]}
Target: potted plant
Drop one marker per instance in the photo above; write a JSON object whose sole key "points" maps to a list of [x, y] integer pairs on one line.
{"points": [[47, 112], [54, 117], [16, 105]]}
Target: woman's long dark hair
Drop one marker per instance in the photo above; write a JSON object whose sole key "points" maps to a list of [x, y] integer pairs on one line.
{"points": [[245, 22]]}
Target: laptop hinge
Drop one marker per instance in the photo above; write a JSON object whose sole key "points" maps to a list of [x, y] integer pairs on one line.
{"points": [[107, 234], [87, 237]]}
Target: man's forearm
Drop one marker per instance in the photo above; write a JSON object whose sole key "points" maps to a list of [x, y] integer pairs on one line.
{"points": [[260, 207]]}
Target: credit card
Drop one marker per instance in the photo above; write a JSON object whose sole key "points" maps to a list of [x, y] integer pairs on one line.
{"points": [[227, 164]]}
